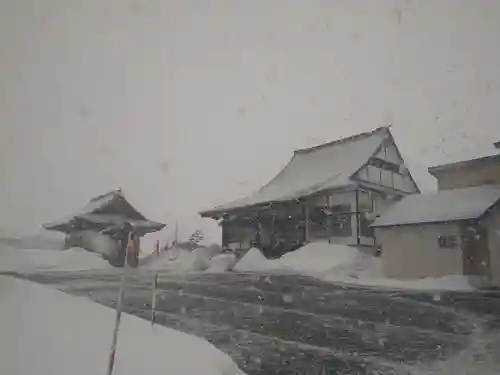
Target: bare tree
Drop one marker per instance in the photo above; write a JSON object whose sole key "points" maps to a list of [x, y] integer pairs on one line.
{"points": [[196, 237]]}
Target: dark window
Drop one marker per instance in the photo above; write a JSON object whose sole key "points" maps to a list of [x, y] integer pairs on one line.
{"points": [[384, 164], [318, 222], [364, 223], [239, 230], [341, 208], [341, 225], [447, 242]]}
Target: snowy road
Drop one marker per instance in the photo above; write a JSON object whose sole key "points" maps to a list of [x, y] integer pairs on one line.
{"points": [[277, 324]]}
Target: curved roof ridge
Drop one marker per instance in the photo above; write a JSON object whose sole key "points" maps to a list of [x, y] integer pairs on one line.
{"points": [[350, 138]]}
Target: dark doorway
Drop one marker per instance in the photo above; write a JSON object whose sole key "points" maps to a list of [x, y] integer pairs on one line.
{"points": [[476, 254]]}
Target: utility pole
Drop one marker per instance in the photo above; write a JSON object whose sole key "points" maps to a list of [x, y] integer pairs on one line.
{"points": [[176, 232]]}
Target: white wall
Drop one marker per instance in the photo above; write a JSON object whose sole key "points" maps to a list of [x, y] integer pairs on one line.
{"points": [[412, 251], [386, 178]]}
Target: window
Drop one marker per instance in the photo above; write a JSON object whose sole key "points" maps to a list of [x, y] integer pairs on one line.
{"points": [[383, 164], [340, 208], [341, 225], [318, 222], [364, 223], [447, 242]]}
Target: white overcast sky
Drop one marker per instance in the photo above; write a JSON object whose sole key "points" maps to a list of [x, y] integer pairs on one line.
{"points": [[188, 104]]}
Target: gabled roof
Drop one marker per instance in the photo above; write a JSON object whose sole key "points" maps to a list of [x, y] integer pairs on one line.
{"points": [[108, 209], [111, 203], [311, 170], [442, 206]]}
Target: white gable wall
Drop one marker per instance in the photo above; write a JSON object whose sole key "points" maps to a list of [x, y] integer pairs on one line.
{"points": [[391, 154], [375, 175]]}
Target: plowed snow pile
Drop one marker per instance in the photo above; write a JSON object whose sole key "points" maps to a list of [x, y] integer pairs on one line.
{"points": [[341, 263], [312, 259], [22, 260], [180, 260], [222, 263]]}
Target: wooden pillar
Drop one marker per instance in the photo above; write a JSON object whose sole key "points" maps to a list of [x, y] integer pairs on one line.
{"points": [[224, 232], [257, 234]]}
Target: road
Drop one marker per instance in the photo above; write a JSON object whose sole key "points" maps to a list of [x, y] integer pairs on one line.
{"points": [[279, 324]]}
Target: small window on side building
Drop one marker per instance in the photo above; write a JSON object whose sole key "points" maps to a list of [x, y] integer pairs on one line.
{"points": [[447, 242]]}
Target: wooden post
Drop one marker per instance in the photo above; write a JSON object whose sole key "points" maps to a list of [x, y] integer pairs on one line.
{"points": [[119, 304], [257, 235]]}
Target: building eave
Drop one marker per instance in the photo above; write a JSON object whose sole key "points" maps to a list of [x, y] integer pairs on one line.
{"points": [[421, 223], [461, 164], [352, 186]]}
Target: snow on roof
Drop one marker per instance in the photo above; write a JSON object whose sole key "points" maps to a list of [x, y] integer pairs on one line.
{"points": [[142, 227], [106, 208], [113, 202], [445, 205], [311, 170]]}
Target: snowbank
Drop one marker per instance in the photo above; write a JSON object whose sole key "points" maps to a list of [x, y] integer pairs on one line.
{"points": [[47, 332], [365, 269], [311, 259], [345, 264], [180, 260], [171, 260], [222, 263], [253, 260], [22, 260]]}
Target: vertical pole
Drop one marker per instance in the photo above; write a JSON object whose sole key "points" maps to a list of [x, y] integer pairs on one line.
{"points": [[358, 241], [224, 228], [176, 232], [154, 286], [119, 304]]}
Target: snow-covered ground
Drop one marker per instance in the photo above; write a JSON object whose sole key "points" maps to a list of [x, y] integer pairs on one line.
{"points": [[28, 260], [341, 263], [207, 259], [47, 332]]}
